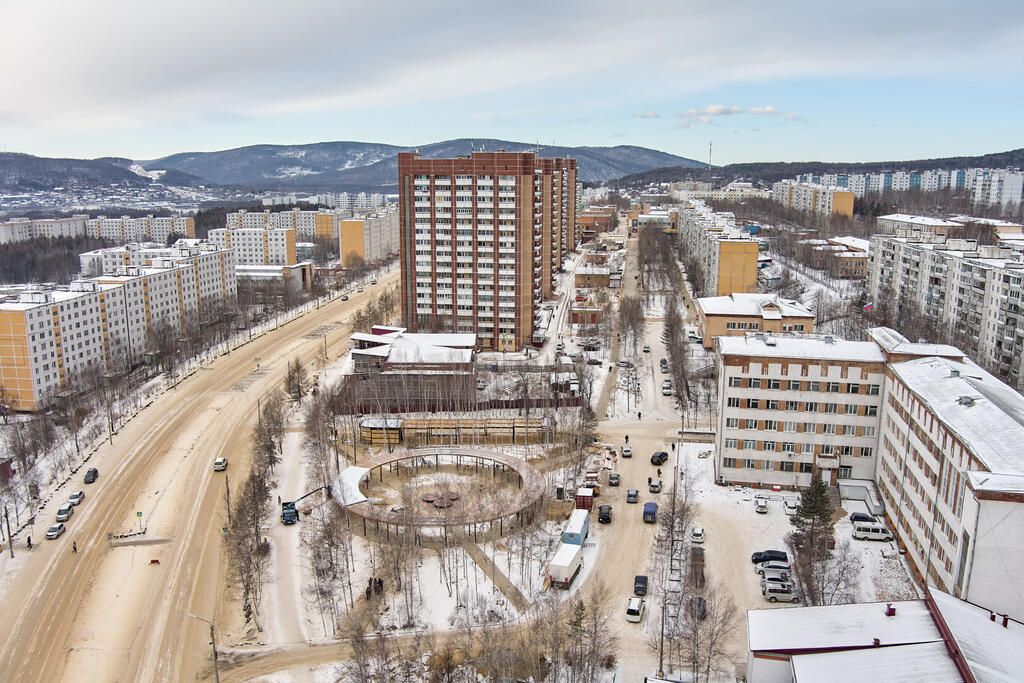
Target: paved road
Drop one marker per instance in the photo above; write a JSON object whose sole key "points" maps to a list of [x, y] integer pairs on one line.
{"points": [[107, 613]]}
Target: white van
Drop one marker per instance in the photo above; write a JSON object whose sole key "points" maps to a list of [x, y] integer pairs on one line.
{"points": [[871, 531]]}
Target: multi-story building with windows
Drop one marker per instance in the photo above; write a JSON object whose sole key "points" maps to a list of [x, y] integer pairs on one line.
{"points": [[480, 241], [813, 198], [309, 225], [908, 225], [726, 255], [738, 314], [22, 229], [971, 293], [50, 338], [258, 246], [790, 405], [369, 238], [125, 229]]}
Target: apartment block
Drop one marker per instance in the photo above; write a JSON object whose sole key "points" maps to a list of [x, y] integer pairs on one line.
{"points": [[125, 229], [23, 229], [309, 225], [998, 187], [791, 405], [479, 237], [951, 477], [862, 184], [594, 220], [258, 246], [813, 198], [48, 339], [738, 314], [971, 293], [369, 238], [907, 225], [727, 256]]}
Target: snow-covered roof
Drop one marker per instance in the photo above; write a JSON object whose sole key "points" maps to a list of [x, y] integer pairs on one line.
{"points": [[899, 664], [346, 486], [381, 422], [995, 223], [407, 347], [919, 220], [986, 414], [410, 350], [839, 627], [461, 340], [851, 242], [753, 305], [590, 269], [806, 347], [993, 652], [895, 343], [996, 483]]}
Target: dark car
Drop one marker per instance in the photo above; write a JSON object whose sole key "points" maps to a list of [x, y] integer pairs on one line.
{"points": [[768, 556], [698, 608], [614, 479], [632, 496], [604, 514], [659, 458], [861, 517], [344, 297], [624, 364], [91, 475], [639, 585], [593, 361]]}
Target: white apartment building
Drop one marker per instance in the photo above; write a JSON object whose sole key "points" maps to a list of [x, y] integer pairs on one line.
{"points": [[370, 237], [998, 188], [987, 186], [813, 198], [258, 246], [904, 224], [951, 477], [791, 404], [125, 229], [23, 229], [972, 294], [726, 254], [309, 225]]}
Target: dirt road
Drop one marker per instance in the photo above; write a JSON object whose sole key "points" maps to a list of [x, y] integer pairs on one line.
{"points": [[109, 613]]}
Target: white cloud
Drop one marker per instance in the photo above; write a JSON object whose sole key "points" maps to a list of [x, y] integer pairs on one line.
{"points": [[646, 115], [706, 115]]}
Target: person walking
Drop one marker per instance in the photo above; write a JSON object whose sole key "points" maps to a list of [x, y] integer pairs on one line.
{"points": [[74, 546], [30, 543]]}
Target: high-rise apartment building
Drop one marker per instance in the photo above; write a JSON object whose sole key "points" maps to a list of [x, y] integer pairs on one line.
{"points": [[481, 239], [309, 225], [726, 255], [369, 238], [125, 229], [813, 198], [258, 246]]}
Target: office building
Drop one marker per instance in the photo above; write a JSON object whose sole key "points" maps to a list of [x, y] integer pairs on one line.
{"points": [[49, 339], [737, 314], [725, 255], [970, 293], [369, 238], [481, 240], [813, 198], [125, 229]]}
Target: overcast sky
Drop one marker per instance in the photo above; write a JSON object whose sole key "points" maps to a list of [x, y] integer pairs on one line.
{"points": [[766, 80]]}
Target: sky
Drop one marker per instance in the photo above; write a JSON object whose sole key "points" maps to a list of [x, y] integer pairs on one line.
{"points": [[785, 80]]}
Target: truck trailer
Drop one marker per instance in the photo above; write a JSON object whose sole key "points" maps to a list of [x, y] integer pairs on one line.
{"points": [[565, 565]]}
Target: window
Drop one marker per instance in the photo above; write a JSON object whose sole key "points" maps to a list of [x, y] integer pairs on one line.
{"points": [[732, 423], [853, 388], [811, 407], [786, 466], [735, 381], [845, 471], [750, 424], [869, 431], [730, 443], [831, 408], [792, 405], [815, 386], [788, 447], [789, 427], [851, 409], [866, 451], [769, 445], [733, 402], [810, 427], [750, 463], [872, 411], [849, 430], [794, 385], [830, 428], [771, 425], [808, 448], [755, 383], [772, 405], [749, 444], [753, 403], [729, 462], [874, 390], [774, 384]]}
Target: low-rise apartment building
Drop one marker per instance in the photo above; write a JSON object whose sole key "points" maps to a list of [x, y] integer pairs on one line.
{"points": [[309, 225], [258, 246], [971, 293], [126, 229], [590, 276], [907, 225], [370, 238], [738, 314], [813, 198], [791, 405], [725, 254]]}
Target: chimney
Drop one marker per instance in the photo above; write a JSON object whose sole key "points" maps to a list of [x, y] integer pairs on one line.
{"points": [[1006, 620], [991, 615], [890, 611], [954, 373], [876, 643]]}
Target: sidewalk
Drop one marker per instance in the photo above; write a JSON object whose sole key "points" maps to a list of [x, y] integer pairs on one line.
{"points": [[498, 578]]}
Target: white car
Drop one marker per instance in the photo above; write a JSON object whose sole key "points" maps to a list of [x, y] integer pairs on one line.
{"points": [[627, 452], [761, 506], [635, 610], [65, 511], [790, 506], [55, 531], [697, 535], [220, 464], [76, 498], [773, 567]]}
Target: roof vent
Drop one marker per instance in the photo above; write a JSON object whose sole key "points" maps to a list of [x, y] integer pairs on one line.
{"points": [[967, 401], [829, 339], [954, 373], [769, 341], [875, 642], [890, 611]]}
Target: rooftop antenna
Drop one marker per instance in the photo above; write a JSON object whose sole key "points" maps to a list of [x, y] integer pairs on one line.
{"points": [[709, 162]]}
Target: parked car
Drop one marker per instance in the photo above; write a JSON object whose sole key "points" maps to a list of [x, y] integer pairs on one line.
{"points": [[55, 531], [65, 511], [647, 348], [632, 496], [790, 506], [344, 297], [635, 610], [861, 517], [624, 364], [639, 585], [654, 486], [773, 593], [761, 506], [659, 458], [91, 475], [373, 282], [698, 608], [697, 535], [220, 464], [767, 555], [76, 498], [773, 566], [871, 531], [627, 451], [650, 513], [664, 369], [775, 580], [593, 361], [560, 346], [604, 514], [614, 479]]}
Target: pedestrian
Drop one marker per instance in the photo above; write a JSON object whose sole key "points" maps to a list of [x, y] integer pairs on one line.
{"points": [[74, 546], [638, 416], [367, 592], [673, 446], [30, 543], [659, 472], [648, 481], [279, 500], [627, 438]]}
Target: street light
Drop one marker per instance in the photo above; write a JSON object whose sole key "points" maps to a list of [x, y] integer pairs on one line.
{"points": [[213, 644]]}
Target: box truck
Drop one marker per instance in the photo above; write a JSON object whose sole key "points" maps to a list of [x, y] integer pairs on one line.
{"points": [[565, 565], [577, 528]]}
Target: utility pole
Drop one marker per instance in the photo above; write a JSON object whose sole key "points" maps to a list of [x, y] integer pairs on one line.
{"points": [[10, 539], [227, 497], [213, 644]]}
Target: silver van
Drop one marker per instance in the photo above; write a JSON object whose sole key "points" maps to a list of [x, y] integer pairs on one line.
{"points": [[871, 531], [773, 593]]}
